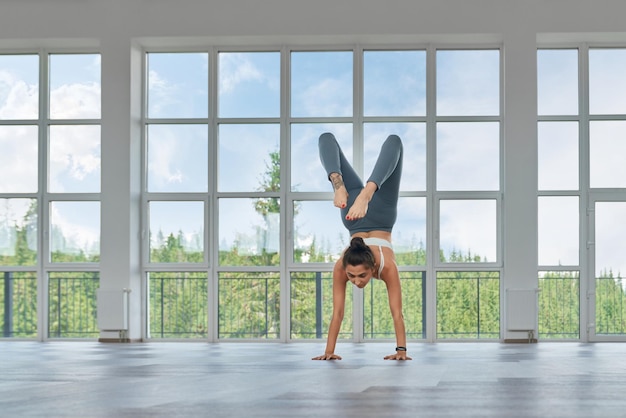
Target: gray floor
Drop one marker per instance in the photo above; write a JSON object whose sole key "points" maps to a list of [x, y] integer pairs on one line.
{"points": [[78, 379]]}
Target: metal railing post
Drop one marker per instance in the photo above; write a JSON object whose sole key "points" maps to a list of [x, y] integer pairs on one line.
{"points": [[318, 304], [423, 304], [162, 307], [7, 330]]}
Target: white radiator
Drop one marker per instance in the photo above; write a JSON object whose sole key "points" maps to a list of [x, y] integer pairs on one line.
{"points": [[521, 309], [113, 310]]}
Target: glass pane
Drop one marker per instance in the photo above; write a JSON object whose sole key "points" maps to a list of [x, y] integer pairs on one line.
{"points": [[249, 232], [610, 266], [19, 159], [19, 87], [610, 232], [307, 172], [249, 84], [557, 81], [607, 85], [610, 312], [249, 158], [178, 85], [321, 84], [394, 83], [72, 305], [75, 86], [178, 158], [249, 305], [559, 304], [468, 231], [607, 147], [558, 226], [558, 155], [312, 306], [18, 232], [468, 305], [178, 305], [176, 232], [468, 83], [468, 156], [18, 304], [319, 234], [74, 155], [409, 232], [413, 137], [74, 232], [377, 320]]}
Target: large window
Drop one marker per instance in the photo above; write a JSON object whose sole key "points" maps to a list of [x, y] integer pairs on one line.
{"points": [[581, 126], [49, 223], [559, 185], [238, 206], [607, 147], [176, 200], [468, 173]]}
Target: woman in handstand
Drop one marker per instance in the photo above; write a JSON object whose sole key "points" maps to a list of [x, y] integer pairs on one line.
{"points": [[368, 212]]}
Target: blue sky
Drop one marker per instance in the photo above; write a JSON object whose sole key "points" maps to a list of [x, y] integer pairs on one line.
{"points": [[321, 86]]}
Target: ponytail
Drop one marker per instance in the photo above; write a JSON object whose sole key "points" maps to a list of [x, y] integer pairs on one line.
{"points": [[358, 253]]}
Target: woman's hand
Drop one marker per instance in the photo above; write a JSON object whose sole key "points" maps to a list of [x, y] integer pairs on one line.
{"points": [[399, 355], [327, 356]]}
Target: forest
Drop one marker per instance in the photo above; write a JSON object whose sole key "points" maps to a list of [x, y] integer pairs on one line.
{"points": [[248, 303], [468, 302]]}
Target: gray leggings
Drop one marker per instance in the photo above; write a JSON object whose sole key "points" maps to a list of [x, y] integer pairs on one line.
{"points": [[383, 208]]}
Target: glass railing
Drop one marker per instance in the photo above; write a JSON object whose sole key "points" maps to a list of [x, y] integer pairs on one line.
{"points": [[178, 305], [249, 305], [610, 306], [559, 305], [468, 305], [18, 304], [72, 310]]}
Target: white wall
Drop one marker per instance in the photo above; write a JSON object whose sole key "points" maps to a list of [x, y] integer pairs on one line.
{"points": [[117, 27], [134, 18]]}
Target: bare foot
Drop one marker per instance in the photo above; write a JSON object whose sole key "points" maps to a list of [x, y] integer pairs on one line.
{"points": [[341, 193], [358, 209], [341, 198]]}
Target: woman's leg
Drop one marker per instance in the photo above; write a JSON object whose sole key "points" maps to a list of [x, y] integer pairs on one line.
{"points": [[387, 171], [345, 180], [380, 195]]}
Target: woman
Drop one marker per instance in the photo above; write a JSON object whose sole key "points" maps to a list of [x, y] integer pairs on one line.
{"points": [[368, 212]]}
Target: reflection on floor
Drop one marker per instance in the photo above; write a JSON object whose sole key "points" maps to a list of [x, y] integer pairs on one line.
{"points": [[84, 379]]}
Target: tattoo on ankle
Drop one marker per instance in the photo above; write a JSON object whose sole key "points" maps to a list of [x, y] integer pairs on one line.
{"points": [[337, 182]]}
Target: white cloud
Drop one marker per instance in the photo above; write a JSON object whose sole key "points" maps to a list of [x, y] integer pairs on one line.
{"points": [[74, 152], [162, 149], [18, 100], [75, 101], [161, 93], [18, 159], [468, 156], [327, 97], [469, 225], [79, 232], [236, 69]]}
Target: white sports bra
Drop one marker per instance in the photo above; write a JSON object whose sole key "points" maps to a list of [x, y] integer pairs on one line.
{"points": [[380, 242]]}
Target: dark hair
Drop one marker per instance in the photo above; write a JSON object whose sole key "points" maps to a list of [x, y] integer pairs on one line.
{"points": [[358, 253]]}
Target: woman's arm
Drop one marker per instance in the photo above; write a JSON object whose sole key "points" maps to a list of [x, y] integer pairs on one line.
{"points": [[339, 301], [394, 292]]}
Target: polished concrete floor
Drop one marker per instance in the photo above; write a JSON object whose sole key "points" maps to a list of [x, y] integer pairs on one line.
{"points": [[79, 379]]}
